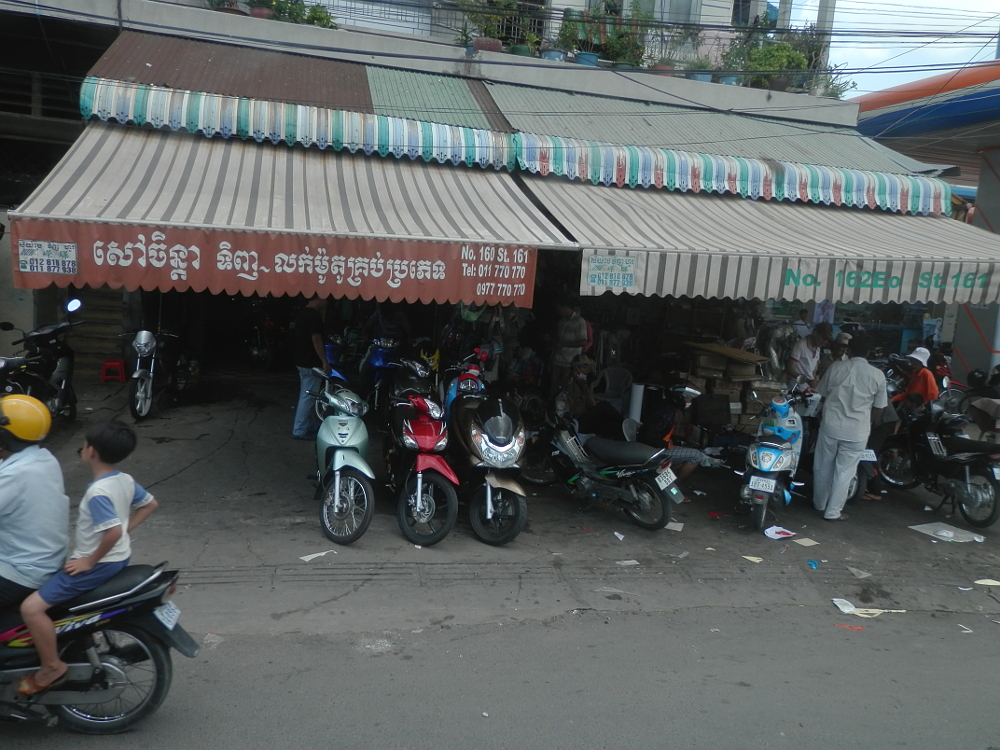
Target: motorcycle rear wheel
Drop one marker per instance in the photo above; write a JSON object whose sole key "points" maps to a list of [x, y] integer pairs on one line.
{"points": [[758, 515], [145, 661], [359, 507], [988, 510], [656, 514], [952, 399], [536, 465], [510, 513], [896, 467], [140, 397], [442, 509]]}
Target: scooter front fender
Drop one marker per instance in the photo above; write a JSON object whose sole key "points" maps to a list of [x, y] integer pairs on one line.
{"points": [[141, 374], [505, 483], [435, 462], [353, 460]]}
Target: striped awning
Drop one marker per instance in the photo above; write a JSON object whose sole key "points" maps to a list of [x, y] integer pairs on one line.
{"points": [[149, 209], [653, 242], [215, 115]]}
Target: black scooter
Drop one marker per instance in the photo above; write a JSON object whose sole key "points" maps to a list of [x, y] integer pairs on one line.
{"points": [[46, 371], [116, 640], [932, 450]]}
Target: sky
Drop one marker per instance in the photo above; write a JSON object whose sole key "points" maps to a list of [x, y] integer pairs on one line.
{"points": [[936, 21]]}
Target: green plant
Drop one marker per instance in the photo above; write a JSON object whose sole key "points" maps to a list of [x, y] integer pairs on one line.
{"points": [[318, 15], [834, 84], [216, 4], [772, 60], [533, 41], [488, 17], [464, 36], [296, 11], [625, 38], [259, 3], [568, 36], [698, 63]]}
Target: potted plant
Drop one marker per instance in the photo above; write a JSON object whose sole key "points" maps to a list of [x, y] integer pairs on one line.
{"points": [[699, 69], [227, 6], [771, 64], [489, 19], [260, 8], [565, 42], [464, 38]]}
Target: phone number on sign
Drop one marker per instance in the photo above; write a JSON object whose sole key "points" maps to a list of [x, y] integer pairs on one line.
{"points": [[490, 288]]}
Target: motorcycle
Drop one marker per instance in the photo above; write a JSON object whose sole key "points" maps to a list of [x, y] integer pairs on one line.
{"points": [[932, 450], [344, 478], [46, 371], [153, 374], [489, 437], [418, 435], [116, 639], [628, 475], [381, 360]]}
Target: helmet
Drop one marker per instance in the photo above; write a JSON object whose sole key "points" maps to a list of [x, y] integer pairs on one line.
{"points": [[25, 419]]}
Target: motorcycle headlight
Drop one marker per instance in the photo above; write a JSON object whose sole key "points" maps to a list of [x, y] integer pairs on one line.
{"points": [[409, 442], [434, 410], [442, 443]]}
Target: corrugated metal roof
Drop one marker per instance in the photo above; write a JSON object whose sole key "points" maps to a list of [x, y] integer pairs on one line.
{"points": [[422, 96], [621, 121], [235, 71]]}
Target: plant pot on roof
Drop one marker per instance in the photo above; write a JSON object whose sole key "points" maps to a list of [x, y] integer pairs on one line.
{"points": [[489, 18], [771, 65], [260, 8], [227, 6], [699, 69]]}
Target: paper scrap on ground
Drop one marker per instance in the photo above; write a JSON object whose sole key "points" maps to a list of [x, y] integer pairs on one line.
{"points": [[212, 641], [850, 627], [609, 590], [710, 549], [314, 555], [947, 533], [964, 629], [858, 573], [675, 526], [965, 588], [806, 542], [753, 559], [626, 562], [849, 609], [699, 492], [679, 555], [620, 536], [776, 532], [987, 582]]}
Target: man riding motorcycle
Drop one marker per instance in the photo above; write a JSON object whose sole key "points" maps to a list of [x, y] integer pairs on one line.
{"points": [[34, 508]]}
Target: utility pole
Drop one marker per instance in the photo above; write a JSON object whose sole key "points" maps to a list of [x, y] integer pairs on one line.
{"points": [[784, 14]]}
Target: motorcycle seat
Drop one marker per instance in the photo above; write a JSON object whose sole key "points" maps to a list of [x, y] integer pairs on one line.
{"points": [[964, 445], [620, 451]]}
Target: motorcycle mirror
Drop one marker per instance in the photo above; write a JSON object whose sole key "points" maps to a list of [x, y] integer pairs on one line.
{"points": [[945, 382], [752, 395], [73, 305], [6, 326]]}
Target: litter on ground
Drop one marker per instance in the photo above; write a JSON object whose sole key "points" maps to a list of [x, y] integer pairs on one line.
{"points": [[806, 542], [858, 573], [812, 564], [987, 582], [776, 532], [753, 559], [314, 555], [850, 627], [675, 526], [947, 533], [626, 563], [849, 609], [621, 537]]}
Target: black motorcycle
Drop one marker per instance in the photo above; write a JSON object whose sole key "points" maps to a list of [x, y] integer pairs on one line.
{"points": [[159, 367], [116, 640], [932, 450], [46, 370], [631, 476]]}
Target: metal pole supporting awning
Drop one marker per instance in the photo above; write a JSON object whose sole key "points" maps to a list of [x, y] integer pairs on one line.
{"points": [[140, 208], [655, 242]]}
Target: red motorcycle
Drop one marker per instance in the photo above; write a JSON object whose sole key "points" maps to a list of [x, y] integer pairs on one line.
{"points": [[418, 435]]}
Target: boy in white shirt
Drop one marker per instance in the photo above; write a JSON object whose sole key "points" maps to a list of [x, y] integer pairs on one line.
{"points": [[102, 547]]}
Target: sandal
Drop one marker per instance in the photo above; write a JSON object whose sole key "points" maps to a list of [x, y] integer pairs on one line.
{"points": [[28, 685], [841, 517], [875, 498]]}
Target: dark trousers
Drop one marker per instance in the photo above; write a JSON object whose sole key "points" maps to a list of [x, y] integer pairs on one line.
{"points": [[11, 595]]}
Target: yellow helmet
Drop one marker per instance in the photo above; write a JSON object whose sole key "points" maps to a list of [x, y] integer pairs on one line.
{"points": [[24, 418]]}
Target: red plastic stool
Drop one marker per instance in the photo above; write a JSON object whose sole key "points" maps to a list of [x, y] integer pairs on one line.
{"points": [[113, 371]]}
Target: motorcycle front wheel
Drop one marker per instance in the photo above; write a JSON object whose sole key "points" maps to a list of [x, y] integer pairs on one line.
{"points": [[510, 512], [140, 397], [146, 669], [953, 399], [536, 465], [358, 506], [896, 467], [982, 508], [758, 515], [650, 510], [440, 509]]}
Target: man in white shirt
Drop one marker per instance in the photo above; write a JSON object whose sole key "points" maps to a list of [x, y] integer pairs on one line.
{"points": [[571, 336], [804, 359], [854, 394]]}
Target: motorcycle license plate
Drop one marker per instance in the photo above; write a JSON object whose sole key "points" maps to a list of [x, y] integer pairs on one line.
{"points": [[763, 484], [168, 614], [868, 455], [665, 478]]}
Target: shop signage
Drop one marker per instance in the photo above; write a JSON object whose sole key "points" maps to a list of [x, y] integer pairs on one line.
{"points": [[226, 261], [614, 272]]}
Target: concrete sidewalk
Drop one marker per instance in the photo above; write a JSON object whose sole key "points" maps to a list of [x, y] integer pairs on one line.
{"points": [[237, 513]]}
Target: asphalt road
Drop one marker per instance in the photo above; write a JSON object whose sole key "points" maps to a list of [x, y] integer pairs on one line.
{"points": [[382, 645]]}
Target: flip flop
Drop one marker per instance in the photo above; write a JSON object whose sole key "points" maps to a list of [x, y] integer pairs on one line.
{"points": [[28, 685], [686, 499], [872, 497], [841, 517]]}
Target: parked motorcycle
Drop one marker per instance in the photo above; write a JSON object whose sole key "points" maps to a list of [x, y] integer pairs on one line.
{"points": [[418, 435], [46, 370], [932, 450], [116, 639], [380, 363], [488, 438], [156, 371], [628, 475], [343, 474]]}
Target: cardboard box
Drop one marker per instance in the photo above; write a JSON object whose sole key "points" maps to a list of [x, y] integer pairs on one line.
{"points": [[711, 361], [708, 372], [696, 382], [735, 407], [736, 369]]}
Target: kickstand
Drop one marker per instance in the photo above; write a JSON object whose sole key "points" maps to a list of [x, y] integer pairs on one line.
{"points": [[945, 499]]}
